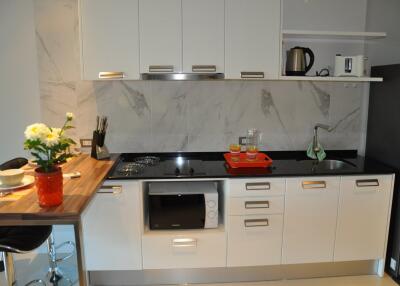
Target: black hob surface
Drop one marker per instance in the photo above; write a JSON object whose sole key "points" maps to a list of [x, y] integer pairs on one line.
{"points": [[213, 165]]}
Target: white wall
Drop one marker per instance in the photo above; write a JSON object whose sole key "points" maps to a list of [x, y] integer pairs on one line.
{"points": [[383, 16], [331, 15], [19, 88]]}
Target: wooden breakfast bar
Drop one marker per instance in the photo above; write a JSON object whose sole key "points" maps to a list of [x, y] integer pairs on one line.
{"points": [[22, 208]]}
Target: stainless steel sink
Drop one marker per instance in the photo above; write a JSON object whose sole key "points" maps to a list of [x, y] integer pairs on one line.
{"points": [[330, 165], [334, 165]]}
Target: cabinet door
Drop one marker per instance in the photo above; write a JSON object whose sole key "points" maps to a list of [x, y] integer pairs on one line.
{"points": [[160, 25], [310, 220], [203, 36], [110, 39], [363, 217], [111, 228], [255, 240], [253, 32]]}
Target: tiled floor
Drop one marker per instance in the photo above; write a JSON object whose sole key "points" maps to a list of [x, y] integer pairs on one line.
{"points": [[30, 267], [369, 280]]}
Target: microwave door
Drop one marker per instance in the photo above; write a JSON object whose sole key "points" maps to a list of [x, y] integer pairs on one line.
{"points": [[177, 211]]}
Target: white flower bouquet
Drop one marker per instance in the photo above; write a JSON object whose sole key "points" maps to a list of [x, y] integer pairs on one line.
{"points": [[48, 145]]}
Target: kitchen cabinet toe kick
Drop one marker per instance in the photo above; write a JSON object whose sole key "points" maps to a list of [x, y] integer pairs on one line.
{"points": [[233, 274]]}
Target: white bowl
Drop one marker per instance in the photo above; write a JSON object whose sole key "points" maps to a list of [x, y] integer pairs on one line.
{"points": [[11, 177]]}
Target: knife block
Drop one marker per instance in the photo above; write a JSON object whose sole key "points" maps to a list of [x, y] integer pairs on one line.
{"points": [[99, 149]]}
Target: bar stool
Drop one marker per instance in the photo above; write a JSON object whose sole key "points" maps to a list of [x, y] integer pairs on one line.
{"points": [[55, 275], [21, 239]]}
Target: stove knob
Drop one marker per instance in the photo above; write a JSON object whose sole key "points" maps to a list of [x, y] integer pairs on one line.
{"points": [[177, 171]]}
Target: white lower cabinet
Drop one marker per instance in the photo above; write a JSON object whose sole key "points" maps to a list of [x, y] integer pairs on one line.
{"points": [[310, 219], [363, 218], [255, 240], [111, 228], [268, 222], [184, 249]]}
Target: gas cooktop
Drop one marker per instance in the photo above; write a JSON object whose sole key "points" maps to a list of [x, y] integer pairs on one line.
{"points": [[133, 166]]}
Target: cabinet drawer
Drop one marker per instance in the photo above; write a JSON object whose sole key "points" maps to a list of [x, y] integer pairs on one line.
{"points": [[255, 240], [184, 250], [257, 187], [256, 205]]}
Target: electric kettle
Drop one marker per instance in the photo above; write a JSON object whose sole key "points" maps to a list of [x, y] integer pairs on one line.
{"points": [[296, 63]]}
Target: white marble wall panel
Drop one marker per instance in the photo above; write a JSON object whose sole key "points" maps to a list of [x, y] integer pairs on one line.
{"points": [[156, 116]]}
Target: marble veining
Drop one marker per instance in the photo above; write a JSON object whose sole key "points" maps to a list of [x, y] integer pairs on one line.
{"points": [[156, 116]]}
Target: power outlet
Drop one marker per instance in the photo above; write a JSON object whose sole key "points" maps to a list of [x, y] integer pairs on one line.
{"points": [[393, 264], [86, 143]]}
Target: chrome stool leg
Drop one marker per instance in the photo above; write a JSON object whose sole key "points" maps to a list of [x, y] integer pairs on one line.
{"points": [[37, 281], [9, 268], [55, 275]]}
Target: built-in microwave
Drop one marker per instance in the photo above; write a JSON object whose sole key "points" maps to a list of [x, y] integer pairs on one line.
{"points": [[183, 205]]}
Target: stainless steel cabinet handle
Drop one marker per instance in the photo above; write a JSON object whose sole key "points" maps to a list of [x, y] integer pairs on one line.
{"points": [[111, 75], [161, 69], [252, 74], [204, 68], [264, 186], [314, 185], [256, 222], [257, 205], [367, 183], [184, 242], [112, 189]]}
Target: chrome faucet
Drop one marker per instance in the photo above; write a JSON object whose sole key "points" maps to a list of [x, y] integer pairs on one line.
{"points": [[315, 146]]}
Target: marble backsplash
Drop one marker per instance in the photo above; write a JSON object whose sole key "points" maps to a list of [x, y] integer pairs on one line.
{"points": [[151, 116]]}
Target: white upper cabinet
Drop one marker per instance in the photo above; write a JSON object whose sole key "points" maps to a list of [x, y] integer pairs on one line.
{"points": [[363, 218], [252, 38], [110, 39], [203, 36], [160, 23], [310, 220]]}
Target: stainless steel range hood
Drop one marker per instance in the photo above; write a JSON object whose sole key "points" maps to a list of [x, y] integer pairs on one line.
{"points": [[182, 76], [166, 72]]}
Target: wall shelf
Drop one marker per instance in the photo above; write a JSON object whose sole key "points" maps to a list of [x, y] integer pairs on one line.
{"points": [[332, 79], [331, 35]]}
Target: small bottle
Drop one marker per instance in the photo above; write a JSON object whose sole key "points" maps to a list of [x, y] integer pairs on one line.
{"points": [[252, 142]]}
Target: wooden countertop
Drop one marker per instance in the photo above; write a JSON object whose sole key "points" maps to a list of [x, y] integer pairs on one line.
{"points": [[77, 193]]}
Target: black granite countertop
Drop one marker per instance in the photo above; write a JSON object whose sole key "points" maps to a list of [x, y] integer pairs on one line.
{"points": [[286, 164]]}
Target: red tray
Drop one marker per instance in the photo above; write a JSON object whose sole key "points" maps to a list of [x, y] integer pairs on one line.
{"points": [[262, 161]]}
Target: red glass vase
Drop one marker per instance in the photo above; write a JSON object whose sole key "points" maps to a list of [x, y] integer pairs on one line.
{"points": [[49, 187]]}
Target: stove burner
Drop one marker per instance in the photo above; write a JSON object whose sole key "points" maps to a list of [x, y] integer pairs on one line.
{"points": [[128, 169], [147, 160]]}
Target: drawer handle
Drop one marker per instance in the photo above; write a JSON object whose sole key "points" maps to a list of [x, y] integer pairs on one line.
{"points": [[257, 205], [367, 183], [204, 68], [252, 74], [161, 69], [111, 189], [111, 75], [256, 222], [184, 242], [314, 185], [258, 186]]}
